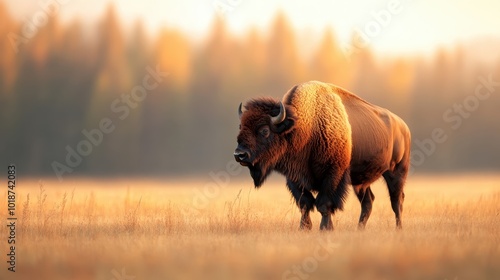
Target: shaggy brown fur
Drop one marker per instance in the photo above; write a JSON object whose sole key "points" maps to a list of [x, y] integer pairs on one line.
{"points": [[329, 138]]}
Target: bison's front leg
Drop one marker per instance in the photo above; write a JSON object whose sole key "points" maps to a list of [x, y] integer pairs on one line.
{"points": [[305, 201], [330, 199], [305, 220], [324, 206]]}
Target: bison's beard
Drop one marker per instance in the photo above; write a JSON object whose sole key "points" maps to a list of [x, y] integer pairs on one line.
{"points": [[259, 174]]}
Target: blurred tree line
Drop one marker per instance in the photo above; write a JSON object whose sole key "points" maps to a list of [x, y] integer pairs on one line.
{"points": [[64, 79]]}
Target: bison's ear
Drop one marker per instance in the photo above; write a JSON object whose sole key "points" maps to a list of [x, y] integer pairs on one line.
{"points": [[285, 126]]}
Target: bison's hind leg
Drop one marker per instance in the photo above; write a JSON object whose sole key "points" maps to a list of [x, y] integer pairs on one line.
{"points": [[366, 198], [395, 183], [305, 201]]}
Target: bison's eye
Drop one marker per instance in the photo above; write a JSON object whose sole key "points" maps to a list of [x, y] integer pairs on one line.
{"points": [[264, 131]]}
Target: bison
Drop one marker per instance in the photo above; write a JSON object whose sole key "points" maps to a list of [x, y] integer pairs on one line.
{"points": [[323, 138]]}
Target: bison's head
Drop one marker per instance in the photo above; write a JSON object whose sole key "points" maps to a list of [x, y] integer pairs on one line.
{"points": [[262, 141]]}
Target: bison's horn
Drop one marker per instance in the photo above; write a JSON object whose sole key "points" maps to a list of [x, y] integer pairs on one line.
{"points": [[281, 116], [240, 112]]}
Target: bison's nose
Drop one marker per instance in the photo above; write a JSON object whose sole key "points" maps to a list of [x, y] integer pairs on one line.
{"points": [[241, 156]]}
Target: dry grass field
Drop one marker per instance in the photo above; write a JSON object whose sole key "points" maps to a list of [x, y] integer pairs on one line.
{"points": [[143, 229]]}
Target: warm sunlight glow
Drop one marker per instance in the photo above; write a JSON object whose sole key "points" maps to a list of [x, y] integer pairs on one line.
{"points": [[391, 26]]}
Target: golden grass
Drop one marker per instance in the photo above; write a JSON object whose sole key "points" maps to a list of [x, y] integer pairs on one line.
{"points": [[97, 229]]}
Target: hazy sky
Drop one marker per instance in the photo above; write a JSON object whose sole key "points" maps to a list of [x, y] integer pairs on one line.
{"points": [[415, 25]]}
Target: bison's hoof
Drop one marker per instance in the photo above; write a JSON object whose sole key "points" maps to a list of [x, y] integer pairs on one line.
{"points": [[326, 226], [305, 226], [326, 222], [361, 226], [399, 226]]}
